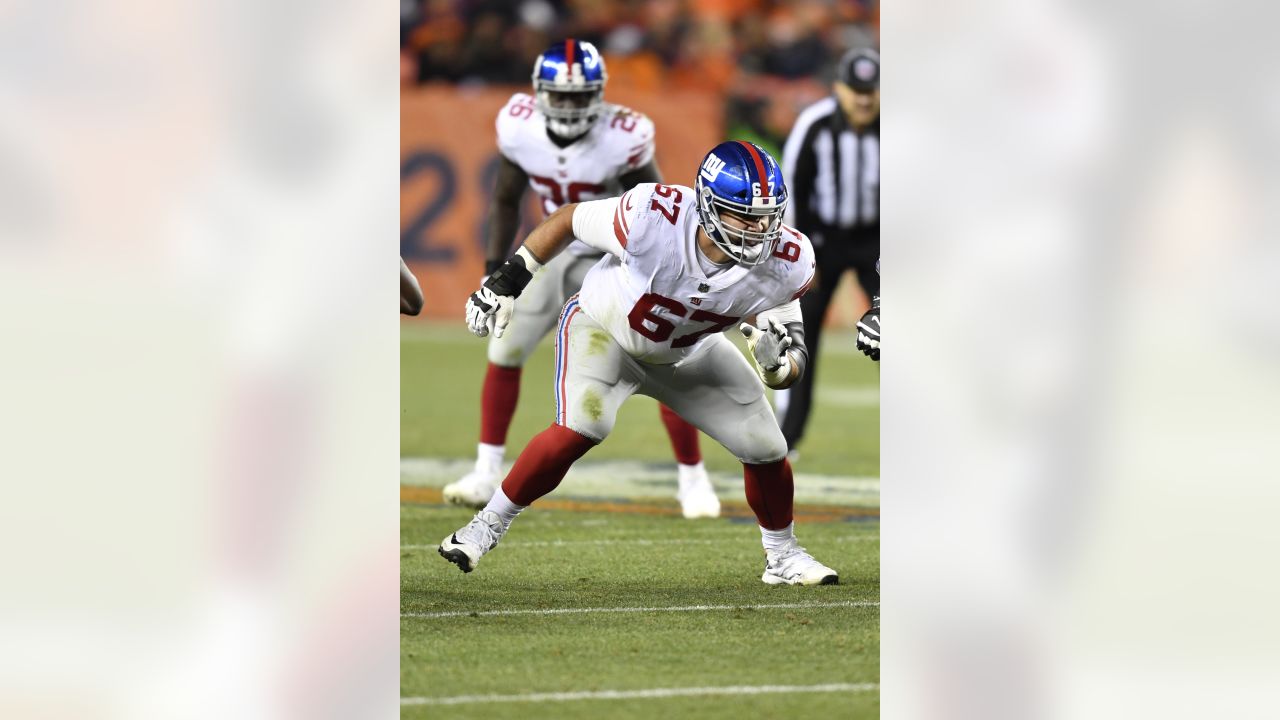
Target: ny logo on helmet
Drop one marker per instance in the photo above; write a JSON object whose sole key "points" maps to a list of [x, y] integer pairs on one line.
{"points": [[712, 167]]}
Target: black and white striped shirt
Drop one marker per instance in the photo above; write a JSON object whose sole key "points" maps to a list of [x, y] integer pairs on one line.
{"points": [[833, 174]]}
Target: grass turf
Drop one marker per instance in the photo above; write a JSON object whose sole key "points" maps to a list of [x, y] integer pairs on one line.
{"points": [[555, 559], [648, 561]]}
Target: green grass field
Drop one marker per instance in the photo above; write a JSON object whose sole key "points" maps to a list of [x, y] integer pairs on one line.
{"points": [[624, 609]]}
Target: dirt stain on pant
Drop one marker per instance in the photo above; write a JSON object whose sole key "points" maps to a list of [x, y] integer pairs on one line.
{"points": [[592, 405], [597, 342]]}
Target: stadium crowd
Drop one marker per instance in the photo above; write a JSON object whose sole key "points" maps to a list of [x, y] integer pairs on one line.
{"points": [[766, 58]]}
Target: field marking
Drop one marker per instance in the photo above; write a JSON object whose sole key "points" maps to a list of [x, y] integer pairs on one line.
{"points": [[636, 541], [852, 396], [804, 513], [682, 608], [642, 694], [653, 481]]}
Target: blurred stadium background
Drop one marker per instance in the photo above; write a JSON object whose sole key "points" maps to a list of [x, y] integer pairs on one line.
{"points": [[703, 71]]}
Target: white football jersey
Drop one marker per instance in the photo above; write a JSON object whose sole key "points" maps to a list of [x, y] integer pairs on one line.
{"points": [[651, 292], [588, 169]]}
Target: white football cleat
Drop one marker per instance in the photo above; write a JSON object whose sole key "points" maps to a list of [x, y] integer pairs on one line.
{"points": [[465, 547], [474, 489], [696, 495], [793, 566]]}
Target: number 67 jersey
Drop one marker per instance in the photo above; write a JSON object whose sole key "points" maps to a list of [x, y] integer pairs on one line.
{"points": [[650, 290]]}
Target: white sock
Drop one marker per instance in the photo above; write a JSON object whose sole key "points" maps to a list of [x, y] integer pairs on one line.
{"points": [[686, 474], [502, 506], [774, 540], [489, 457]]}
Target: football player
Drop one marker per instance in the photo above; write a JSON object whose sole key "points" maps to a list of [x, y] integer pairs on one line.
{"points": [[410, 292], [682, 265], [568, 145]]}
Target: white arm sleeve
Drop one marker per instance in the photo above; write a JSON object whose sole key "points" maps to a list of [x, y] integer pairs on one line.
{"points": [[784, 314], [593, 224]]}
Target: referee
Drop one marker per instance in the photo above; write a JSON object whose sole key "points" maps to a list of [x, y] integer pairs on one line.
{"points": [[831, 163]]}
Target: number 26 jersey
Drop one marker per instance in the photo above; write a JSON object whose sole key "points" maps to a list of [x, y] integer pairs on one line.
{"points": [[620, 141]]}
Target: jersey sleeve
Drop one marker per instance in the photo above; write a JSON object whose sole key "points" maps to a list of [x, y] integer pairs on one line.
{"points": [[518, 110], [806, 264], [801, 270], [641, 152], [788, 312], [606, 224], [632, 136]]}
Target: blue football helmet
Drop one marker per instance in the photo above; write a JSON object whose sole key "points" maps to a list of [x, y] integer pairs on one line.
{"points": [[568, 83], [743, 179]]}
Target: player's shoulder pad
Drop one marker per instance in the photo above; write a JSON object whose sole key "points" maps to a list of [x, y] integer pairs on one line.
{"points": [[649, 206], [512, 119], [795, 260], [639, 201], [632, 214], [628, 134]]}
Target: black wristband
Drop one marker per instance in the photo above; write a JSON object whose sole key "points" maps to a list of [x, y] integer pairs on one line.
{"points": [[510, 278], [491, 265]]}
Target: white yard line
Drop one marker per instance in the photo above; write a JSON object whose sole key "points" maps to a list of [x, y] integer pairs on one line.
{"points": [[854, 396], [635, 541], [684, 608], [642, 694], [629, 479]]}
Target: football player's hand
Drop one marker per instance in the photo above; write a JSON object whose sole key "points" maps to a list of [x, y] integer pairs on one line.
{"points": [[869, 333], [489, 312], [768, 344]]}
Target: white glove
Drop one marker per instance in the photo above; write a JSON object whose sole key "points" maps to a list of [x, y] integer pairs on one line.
{"points": [[768, 346], [488, 311]]}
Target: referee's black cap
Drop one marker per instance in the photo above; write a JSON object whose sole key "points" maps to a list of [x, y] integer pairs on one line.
{"points": [[860, 69]]}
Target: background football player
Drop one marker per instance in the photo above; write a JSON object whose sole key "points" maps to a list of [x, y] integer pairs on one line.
{"points": [[683, 265], [569, 145]]}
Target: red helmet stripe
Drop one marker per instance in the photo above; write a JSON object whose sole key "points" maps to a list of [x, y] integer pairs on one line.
{"points": [[759, 161], [568, 51]]}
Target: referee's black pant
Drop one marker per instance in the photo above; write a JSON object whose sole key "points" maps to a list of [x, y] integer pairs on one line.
{"points": [[860, 257]]}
